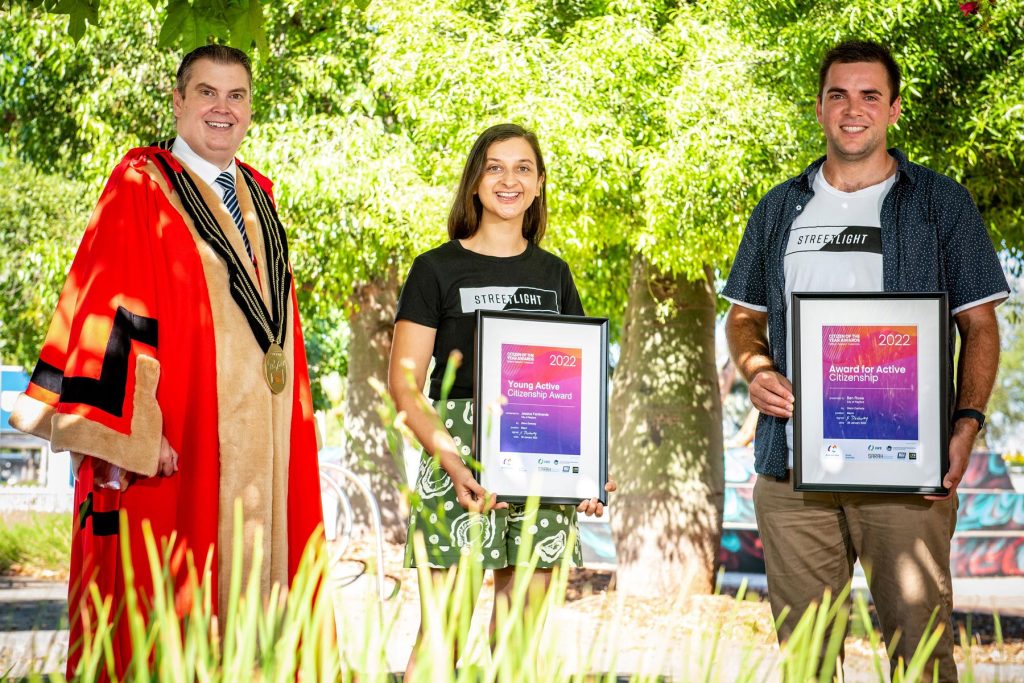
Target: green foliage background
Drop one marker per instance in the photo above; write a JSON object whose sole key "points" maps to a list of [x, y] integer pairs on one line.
{"points": [[41, 221], [662, 123]]}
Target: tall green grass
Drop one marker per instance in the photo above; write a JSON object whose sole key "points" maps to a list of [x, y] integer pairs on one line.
{"points": [[291, 634], [35, 542]]}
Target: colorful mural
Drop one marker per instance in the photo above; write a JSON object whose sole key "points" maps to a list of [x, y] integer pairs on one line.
{"points": [[742, 551], [990, 511], [986, 471], [738, 510], [989, 539], [987, 556]]}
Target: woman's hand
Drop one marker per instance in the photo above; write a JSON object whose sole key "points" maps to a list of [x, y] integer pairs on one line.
{"points": [[471, 495], [594, 507]]}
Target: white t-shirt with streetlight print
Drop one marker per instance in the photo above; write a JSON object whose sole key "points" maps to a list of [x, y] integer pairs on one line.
{"points": [[835, 245]]}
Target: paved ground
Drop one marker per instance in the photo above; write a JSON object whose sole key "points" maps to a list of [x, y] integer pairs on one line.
{"points": [[32, 619], [600, 631]]}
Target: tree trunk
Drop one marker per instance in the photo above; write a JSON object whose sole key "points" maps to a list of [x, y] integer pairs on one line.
{"points": [[665, 428], [371, 325]]}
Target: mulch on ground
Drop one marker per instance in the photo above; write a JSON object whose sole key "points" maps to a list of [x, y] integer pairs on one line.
{"points": [[592, 592], [753, 618]]}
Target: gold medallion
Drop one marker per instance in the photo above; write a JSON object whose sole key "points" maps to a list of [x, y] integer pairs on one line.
{"points": [[275, 368]]}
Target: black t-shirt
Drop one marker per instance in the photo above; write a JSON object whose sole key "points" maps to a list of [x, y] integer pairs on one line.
{"points": [[448, 284]]}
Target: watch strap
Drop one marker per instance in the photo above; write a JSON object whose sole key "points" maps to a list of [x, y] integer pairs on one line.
{"points": [[971, 413]]}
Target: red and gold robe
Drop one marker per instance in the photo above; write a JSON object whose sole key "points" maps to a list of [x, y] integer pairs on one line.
{"points": [[148, 341]]}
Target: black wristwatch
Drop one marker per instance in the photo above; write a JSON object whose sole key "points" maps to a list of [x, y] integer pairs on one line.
{"points": [[971, 413]]}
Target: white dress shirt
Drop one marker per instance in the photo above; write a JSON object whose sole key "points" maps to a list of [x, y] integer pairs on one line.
{"points": [[206, 171]]}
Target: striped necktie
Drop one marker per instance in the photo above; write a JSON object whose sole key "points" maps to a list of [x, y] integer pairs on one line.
{"points": [[227, 181]]}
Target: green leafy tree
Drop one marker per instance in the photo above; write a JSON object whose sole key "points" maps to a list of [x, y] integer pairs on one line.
{"points": [[186, 24], [39, 232], [704, 144], [357, 204], [1003, 430], [74, 109], [663, 123], [962, 94]]}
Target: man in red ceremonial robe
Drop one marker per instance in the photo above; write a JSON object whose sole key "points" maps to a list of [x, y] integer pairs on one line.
{"points": [[174, 369]]}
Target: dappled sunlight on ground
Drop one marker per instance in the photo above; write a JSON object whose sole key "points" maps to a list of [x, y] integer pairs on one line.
{"points": [[597, 629]]}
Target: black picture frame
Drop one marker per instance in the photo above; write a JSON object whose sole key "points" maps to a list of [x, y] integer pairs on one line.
{"points": [[836, 459], [511, 347]]}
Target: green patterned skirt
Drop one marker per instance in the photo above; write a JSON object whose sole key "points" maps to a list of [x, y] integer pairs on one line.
{"points": [[449, 531]]}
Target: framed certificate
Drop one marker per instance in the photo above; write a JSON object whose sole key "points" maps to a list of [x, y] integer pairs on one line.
{"points": [[870, 377], [541, 406]]}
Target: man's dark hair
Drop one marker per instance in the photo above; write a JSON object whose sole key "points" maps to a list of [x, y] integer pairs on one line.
{"points": [[219, 54], [464, 217], [853, 51]]}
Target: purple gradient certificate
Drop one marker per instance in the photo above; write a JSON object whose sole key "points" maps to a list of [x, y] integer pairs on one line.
{"points": [[543, 410], [870, 388], [870, 378]]}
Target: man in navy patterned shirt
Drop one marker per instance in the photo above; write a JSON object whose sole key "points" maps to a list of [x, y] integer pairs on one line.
{"points": [[863, 218]]}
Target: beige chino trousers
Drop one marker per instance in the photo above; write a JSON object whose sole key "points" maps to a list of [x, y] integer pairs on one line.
{"points": [[811, 541]]}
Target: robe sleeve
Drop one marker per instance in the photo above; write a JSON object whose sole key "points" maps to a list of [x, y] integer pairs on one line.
{"points": [[93, 391]]}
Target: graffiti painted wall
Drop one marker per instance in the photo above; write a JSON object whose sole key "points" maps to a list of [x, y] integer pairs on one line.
{"points": [[989, 539], [741, 549]]}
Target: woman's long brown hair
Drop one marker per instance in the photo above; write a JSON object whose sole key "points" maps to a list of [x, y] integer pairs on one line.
{"points": [[464, 218]]}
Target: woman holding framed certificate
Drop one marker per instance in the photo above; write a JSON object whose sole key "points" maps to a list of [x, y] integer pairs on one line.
{"points": [[492, 261]]}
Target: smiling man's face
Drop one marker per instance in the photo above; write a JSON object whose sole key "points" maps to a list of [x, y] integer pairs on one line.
{"points": [[855, 110], [215, 110]]}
